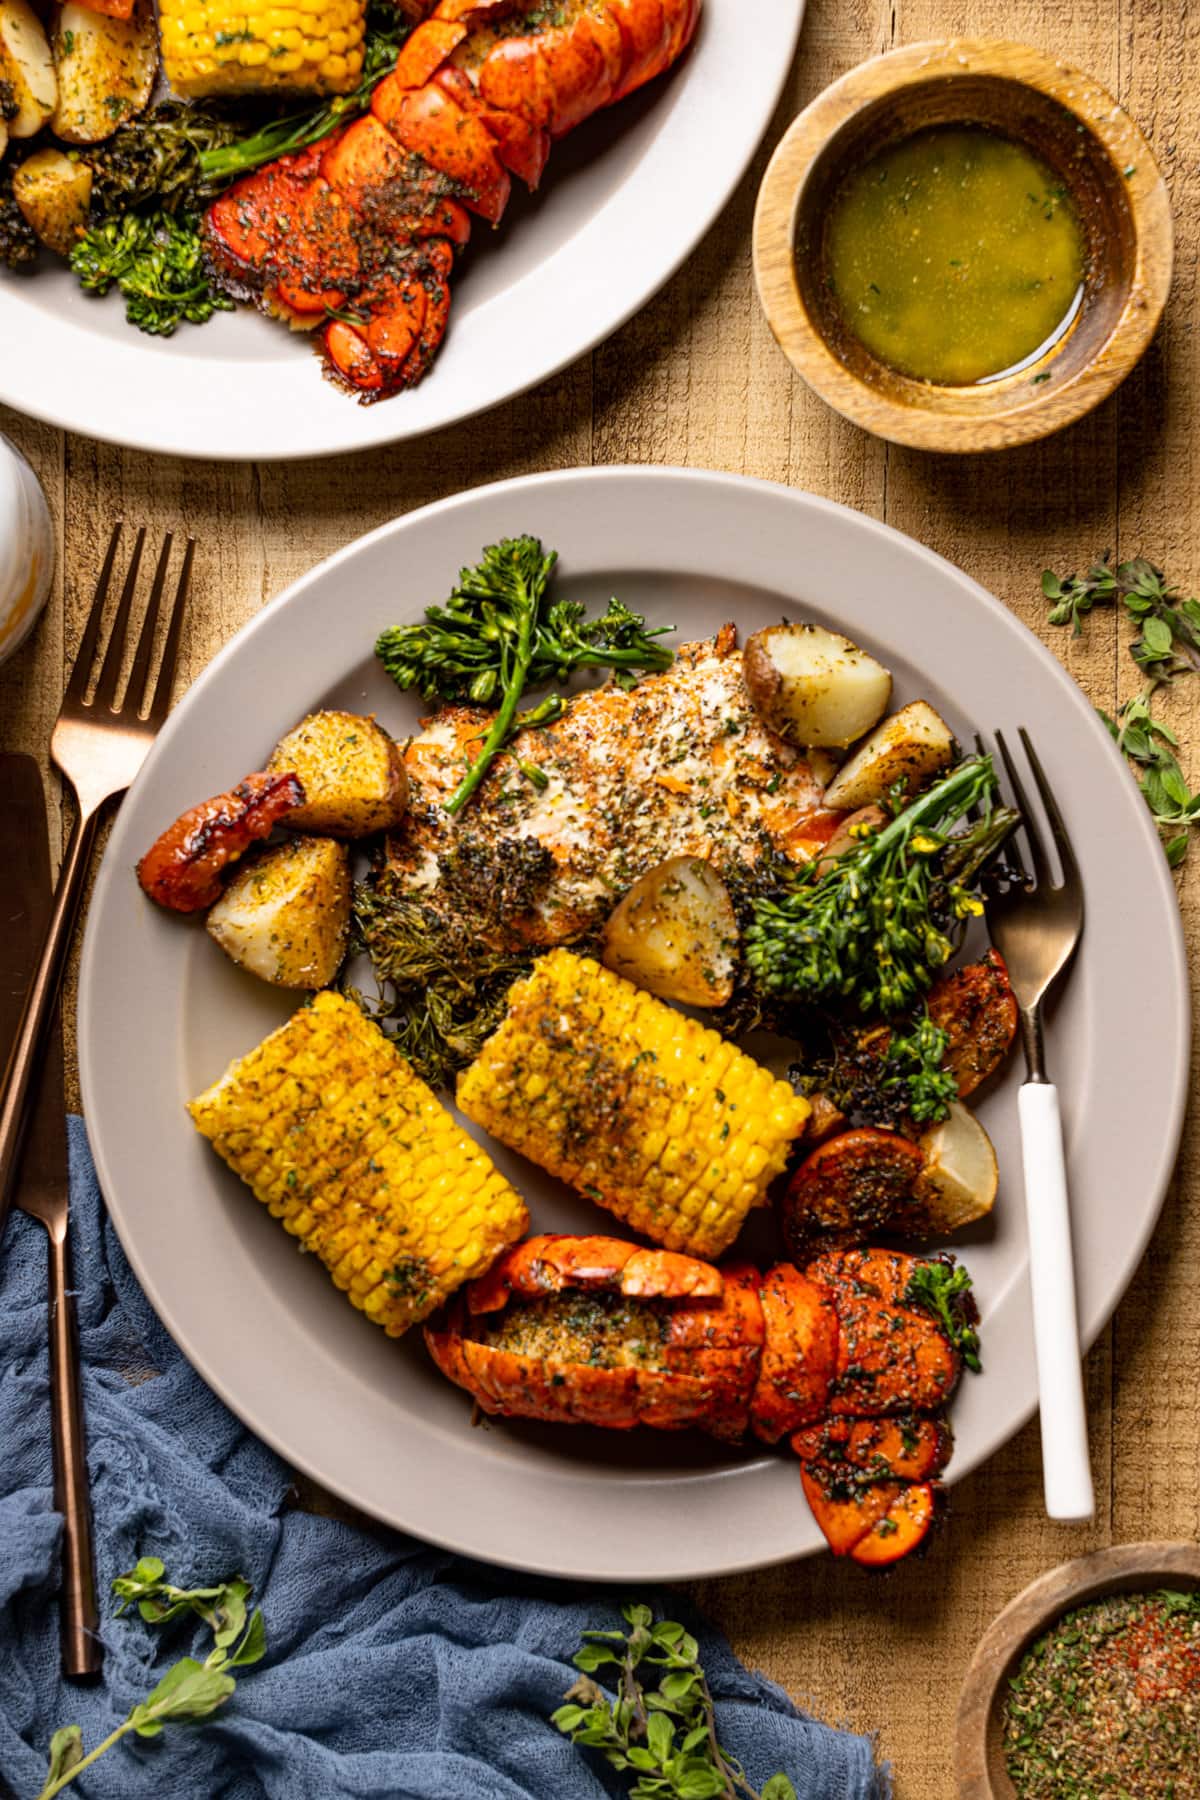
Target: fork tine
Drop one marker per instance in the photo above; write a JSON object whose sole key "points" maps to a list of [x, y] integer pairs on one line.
{"points": [[1058, 830], [161, 699], [86, 654], [1041, 867], [106, 685], [145, 647], [1015, 859]]}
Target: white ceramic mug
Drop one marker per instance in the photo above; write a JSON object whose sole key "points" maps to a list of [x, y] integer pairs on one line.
{"points": [[26, 549]]}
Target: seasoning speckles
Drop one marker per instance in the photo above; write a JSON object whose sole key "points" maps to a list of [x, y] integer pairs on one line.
{"points": [[1106, 1704]]}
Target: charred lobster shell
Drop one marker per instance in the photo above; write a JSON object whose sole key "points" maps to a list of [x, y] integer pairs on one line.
{"points": [[357, 235], [834, 1358]]}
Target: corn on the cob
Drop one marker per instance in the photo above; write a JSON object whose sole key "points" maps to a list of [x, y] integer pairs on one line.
{"points": [[659, 1119], [262, 46], [329, 1126]]}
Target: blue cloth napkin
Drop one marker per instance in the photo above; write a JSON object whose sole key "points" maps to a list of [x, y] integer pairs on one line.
{"points": [[392, 1669]]}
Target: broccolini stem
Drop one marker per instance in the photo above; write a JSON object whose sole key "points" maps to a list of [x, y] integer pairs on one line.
{"points": [[297, 130], [497, 737], [874, 926], [947, 799]]}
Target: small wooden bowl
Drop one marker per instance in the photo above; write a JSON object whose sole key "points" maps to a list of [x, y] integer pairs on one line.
{"points": [[1130, 1568], [1067, 120]]}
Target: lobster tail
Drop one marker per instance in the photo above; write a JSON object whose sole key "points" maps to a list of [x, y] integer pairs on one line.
{"points": [[593, 1330], [357, 235]]}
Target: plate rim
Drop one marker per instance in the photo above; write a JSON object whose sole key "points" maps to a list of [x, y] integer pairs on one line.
{"points": [[282, 444], [1167, 1145]]}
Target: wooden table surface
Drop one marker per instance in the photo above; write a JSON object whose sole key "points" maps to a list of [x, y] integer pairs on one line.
{"points": [[696, 379]]}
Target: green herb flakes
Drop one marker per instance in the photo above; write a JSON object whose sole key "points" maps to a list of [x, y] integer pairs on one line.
{"points": [[1107, 1703]]}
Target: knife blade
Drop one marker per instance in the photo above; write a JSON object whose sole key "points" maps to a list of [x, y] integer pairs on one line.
{"points": [[42, 1189], [25, 860], [25, 857]]}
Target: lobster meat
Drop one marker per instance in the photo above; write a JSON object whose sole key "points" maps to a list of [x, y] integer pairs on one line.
{"points": [[835, 1358], [357, 235]]}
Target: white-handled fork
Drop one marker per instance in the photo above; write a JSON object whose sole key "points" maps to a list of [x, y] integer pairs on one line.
{"points": [[1036, 925]]}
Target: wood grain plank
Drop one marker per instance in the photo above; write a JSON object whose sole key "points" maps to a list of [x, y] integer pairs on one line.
{"points": [[1157, 1331]]}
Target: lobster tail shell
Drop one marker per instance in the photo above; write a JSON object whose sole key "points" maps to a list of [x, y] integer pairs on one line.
{"points": [[553, 1261], [363, 226], [800, 1357], [832, 1357]]}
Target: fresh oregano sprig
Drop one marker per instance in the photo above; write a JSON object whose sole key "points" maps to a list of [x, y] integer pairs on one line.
{"points": [[1165, 646], [189, 1689], [664, 1736]]}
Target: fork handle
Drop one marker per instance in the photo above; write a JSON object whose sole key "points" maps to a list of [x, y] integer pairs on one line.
{"points": [[82, 1651], [25, 1057], [1066, 1473]]}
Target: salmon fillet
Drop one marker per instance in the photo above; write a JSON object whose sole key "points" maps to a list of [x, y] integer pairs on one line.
{"points": [[681, 765]]}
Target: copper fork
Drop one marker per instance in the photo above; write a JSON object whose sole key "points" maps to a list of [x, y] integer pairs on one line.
{"points": [[98, 744], [1036, 924]]}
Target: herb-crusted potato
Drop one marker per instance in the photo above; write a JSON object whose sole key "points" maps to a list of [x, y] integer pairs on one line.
{"points": [[54, 194], [354, 778], [285, 914], [908, 748], [26, 70], [105, 68], [675, 934], [814, 687]]}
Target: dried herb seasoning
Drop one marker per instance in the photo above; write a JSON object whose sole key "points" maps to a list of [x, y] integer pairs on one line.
{"points": [[1107, 1703]]}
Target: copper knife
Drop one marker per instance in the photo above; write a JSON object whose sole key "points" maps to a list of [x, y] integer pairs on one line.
{"points": [[43, 1191]]}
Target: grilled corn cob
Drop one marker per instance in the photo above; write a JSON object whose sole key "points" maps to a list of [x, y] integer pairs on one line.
{"points": [[262, 46], [660, 1120], [329, 1126]]}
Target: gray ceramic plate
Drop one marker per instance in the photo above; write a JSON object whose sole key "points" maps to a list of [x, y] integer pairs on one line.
{"points": [[162, 1012], [625, 199]]}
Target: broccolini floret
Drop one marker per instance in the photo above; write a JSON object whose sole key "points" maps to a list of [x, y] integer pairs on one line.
{"points": [[874, 929], [156, 262]]}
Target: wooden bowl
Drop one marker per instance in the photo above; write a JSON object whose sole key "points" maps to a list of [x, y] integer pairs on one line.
{"points": [[1067, 120], [979, 1754]]}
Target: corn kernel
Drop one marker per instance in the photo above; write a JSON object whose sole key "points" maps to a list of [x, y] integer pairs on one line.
{"points": [[334, 1132], [663, 1122]]}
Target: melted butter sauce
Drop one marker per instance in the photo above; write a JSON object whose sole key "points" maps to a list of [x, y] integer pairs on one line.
{"points": [[955, 255]]}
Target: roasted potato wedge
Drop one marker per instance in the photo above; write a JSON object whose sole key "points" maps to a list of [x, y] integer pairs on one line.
{"points": [[54, 194], [285, 914], [675, 934], [106, 69], [26, 69], [814, 687], [958, 1182], [355, 783], [908, 747]]}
